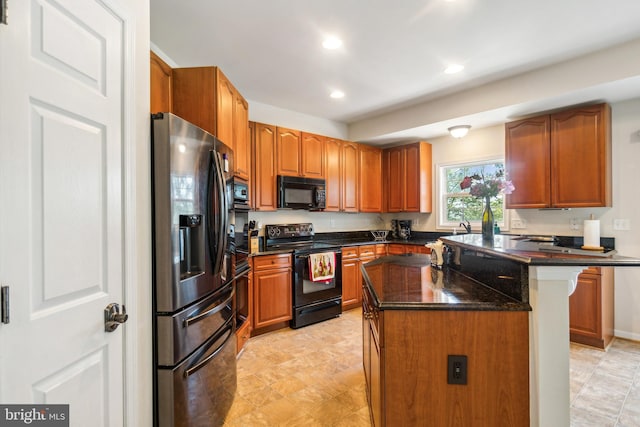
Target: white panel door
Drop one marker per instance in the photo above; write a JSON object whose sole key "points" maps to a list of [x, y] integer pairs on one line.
{"points": [[61, 198]]}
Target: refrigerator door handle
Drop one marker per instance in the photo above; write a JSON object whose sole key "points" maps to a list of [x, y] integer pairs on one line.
{"points": [[222, 222], [194, 319], [210, 357]]}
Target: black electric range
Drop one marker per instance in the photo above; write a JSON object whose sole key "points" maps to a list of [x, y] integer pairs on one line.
{"points": [[314, 300]]}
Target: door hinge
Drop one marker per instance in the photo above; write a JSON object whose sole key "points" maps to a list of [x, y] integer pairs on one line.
{"points": [[4, 303], [3, 11]]}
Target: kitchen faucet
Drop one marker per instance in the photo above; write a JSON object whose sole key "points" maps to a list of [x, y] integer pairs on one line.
{"points": [[466, 226]]}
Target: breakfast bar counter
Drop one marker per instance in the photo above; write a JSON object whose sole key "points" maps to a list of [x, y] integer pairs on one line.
{"points": [[408, 282], [544, 275], [440, 348]]}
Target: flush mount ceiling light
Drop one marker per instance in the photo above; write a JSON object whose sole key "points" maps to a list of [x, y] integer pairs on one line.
{"points": [[459, 131], [453, 68], [331, 43], [336, 94]]}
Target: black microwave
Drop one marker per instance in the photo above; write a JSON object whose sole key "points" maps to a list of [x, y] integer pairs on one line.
{"points": [[301, 193]]}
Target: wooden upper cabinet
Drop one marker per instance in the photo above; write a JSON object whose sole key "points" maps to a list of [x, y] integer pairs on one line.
{"points": [[242, 141], [333, 175], [562, 160], [581, 137], [370, 178], [300, 153], [418, 177], [194, 96], [341, 175], [312, 155], [349, 173], [160, 78], [288, 151], [207, 98], [528, 163], [394, 158], [224, 113], [408, 184], [264, 175]]}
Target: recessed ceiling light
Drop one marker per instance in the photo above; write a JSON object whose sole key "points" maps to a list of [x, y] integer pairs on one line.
{"points": [[453, 68], [337, 94], [331, 43]]}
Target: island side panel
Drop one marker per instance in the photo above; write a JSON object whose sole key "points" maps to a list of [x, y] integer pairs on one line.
{"points": [[416, 345]]}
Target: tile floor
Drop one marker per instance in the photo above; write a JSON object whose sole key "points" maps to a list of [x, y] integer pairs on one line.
{"points": [[313, 377]]}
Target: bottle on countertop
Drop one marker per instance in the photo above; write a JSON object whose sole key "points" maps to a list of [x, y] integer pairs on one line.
{"points": [[496, 228]]}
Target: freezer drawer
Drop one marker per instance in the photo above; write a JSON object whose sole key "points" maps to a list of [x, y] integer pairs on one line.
{"points": [[200, 390], [181, 333]]}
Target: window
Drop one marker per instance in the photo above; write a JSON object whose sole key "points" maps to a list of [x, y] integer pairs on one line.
{"points": [[458, 205]]}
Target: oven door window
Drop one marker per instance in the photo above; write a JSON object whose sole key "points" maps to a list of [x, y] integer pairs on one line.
{"points": [[309, 286]]}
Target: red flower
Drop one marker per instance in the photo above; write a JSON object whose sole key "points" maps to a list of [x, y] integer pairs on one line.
{"points": [[466, 183]]}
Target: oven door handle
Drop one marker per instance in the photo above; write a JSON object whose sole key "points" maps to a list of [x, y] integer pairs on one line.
{"points": [[191, 320]]}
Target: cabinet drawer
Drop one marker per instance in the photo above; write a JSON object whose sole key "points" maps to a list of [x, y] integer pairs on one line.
{"points": [[242, 336], [396, 249], [418, 249], [349, 252], [267, 262], [381, 249], [367, 251]]}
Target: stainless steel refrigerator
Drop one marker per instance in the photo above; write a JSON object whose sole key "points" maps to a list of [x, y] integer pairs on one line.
{"points": [[193, 290]]}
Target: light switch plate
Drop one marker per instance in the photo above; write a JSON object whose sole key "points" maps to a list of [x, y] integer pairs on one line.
{"points": [[621, 224], [518, 223]]}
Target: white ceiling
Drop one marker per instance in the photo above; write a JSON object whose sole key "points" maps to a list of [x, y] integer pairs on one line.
{"points": [[394, 53]]}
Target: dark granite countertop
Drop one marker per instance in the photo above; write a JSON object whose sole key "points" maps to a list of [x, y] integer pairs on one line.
{"points": [[516, 249], [407, 282]]}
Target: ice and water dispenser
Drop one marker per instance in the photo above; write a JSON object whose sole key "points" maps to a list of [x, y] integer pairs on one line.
{"points": [[192, 253]]}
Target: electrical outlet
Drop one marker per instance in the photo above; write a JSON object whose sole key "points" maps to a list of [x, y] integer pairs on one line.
{"points": [[518, 223], [621, 224], [457, 369], [574, 224]]}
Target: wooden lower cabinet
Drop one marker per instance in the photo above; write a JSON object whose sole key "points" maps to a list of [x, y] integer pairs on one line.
{"points": [[351, 282], [352, 258], [591, 313], [243, 333], [242, 336], [405, 358], [404, 248], [272, 292]]}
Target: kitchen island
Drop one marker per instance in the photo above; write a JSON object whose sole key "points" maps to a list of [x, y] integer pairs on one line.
{"points": [[544, 277], [441, 349]]}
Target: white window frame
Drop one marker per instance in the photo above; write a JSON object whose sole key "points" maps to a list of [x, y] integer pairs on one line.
{"points": [[441, 196]]}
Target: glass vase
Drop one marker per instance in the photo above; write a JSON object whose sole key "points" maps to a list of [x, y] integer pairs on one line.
{"points": [[487, 221]]}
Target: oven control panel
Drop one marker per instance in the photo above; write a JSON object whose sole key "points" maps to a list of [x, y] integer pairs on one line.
{"points": [[288, 231]]}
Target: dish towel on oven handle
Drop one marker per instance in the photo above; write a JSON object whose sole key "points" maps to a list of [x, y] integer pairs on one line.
{"points": [[322, 266]]}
